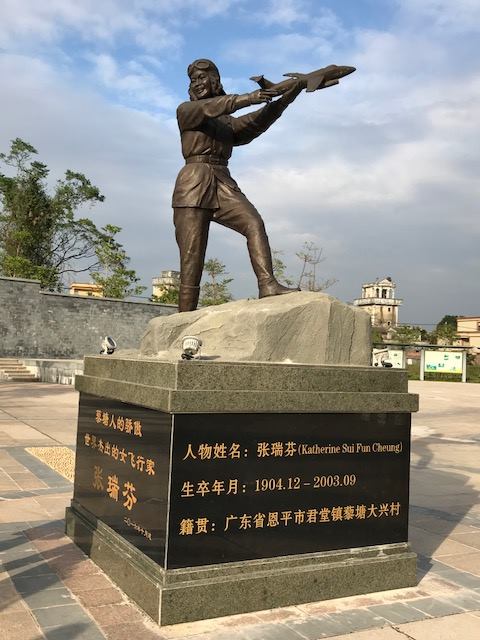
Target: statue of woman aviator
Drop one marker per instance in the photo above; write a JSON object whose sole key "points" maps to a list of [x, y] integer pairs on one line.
{"points": [[205, 190]]}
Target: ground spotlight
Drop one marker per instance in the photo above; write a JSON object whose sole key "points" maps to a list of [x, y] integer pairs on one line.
{"points": [[191, 347], [108, 346]]}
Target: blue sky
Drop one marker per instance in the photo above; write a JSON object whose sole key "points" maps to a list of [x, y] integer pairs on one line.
{"points": [[381, 171]]}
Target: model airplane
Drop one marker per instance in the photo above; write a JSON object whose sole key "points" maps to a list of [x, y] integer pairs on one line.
{"points": [[319, 79]]}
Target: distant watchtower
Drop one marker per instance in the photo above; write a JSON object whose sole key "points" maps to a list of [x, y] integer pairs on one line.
{"points": [[378, 299], [166, 280]]}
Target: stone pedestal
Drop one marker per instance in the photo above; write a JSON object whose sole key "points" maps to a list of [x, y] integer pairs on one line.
{"points": [[212, 488]]}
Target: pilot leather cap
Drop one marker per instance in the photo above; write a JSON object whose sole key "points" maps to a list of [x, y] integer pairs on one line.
{"points": [[203, 64]]}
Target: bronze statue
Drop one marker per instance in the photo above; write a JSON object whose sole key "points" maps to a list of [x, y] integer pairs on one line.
{"points": [[205, 191]]}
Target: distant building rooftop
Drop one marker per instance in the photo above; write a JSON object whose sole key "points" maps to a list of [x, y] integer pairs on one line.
{"points": [[86, 289]]}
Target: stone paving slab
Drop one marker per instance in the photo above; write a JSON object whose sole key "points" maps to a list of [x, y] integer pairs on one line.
{"points": [[387, 633], [460, 627], [399, 612], [50, 589], [21, 432]]}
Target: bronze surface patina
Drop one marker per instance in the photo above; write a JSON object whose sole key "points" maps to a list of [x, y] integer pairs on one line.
{"points": [[205, 190]]}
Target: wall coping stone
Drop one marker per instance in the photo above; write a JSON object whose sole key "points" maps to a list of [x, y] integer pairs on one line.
{"points": [[21, 280], [102, 298]]}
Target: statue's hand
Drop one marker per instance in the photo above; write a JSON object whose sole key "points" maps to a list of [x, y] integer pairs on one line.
{"points": [[295, 89], [262, 95]]}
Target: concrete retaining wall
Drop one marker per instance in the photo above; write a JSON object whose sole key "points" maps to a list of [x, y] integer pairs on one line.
{"points": [[41, 324], [57, 371]]}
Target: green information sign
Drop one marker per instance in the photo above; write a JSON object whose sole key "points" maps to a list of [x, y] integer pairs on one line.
{"points": [[443, 362]]}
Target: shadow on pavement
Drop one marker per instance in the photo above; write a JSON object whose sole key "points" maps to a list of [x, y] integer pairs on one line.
{"points": [[39, 572], [440, 500]]}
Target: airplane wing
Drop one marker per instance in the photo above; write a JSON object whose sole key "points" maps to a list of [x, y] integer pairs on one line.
{"points": [[330, 83], [314, 82]]}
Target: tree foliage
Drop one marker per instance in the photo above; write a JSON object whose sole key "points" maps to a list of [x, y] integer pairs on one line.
{"points": [[279, 269], [116, 280], [170, 294], [377, 335], [446, 330], [216, 290], [408, 334], [41, 237], [449, 320], [39, 234]]}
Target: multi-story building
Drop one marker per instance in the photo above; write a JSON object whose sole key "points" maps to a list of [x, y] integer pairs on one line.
{"points": [[468, 332], [378, 299], [165, 281], [87, 289]]}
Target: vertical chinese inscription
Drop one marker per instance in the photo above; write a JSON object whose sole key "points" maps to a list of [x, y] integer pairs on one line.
{"points": [[122, 468]]}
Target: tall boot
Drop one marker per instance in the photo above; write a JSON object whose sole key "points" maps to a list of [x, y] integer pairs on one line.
{"points": [[272, 287], [188, 297], [261, 259]]}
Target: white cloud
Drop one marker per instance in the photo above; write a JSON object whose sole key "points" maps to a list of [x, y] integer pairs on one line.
{"points": [[283, 12], [29, 20], [133, 83], [156, 37], [290, 49], [452, 17], [45, 21], [318, 32]]}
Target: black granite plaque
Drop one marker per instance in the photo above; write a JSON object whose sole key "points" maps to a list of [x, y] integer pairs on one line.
{"points": [[122, 470], [249, 486], [242, 486]]}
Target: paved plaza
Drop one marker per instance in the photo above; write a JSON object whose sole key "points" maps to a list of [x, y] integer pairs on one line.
{"points": [[50, 589]]}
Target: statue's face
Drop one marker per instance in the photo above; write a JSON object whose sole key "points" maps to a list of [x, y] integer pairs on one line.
{"points": [[201, 84]]}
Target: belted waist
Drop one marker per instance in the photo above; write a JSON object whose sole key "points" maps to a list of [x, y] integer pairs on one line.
{"points": [[207, 160]]}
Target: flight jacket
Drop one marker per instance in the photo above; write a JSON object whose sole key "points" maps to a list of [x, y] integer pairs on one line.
{"points": [[208, 134]]}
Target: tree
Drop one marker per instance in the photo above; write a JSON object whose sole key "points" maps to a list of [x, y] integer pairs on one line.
{"points": [[446, 330], [115, 279], [279, 269], [39, 234], [311, 256], [216, 290], [451, 321], [377, 335], [169, 296], [41, 238], [409, 334]]}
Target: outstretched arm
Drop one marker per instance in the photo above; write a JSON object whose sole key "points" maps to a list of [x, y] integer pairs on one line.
{"points": [[248, 127], [191, 115]]}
